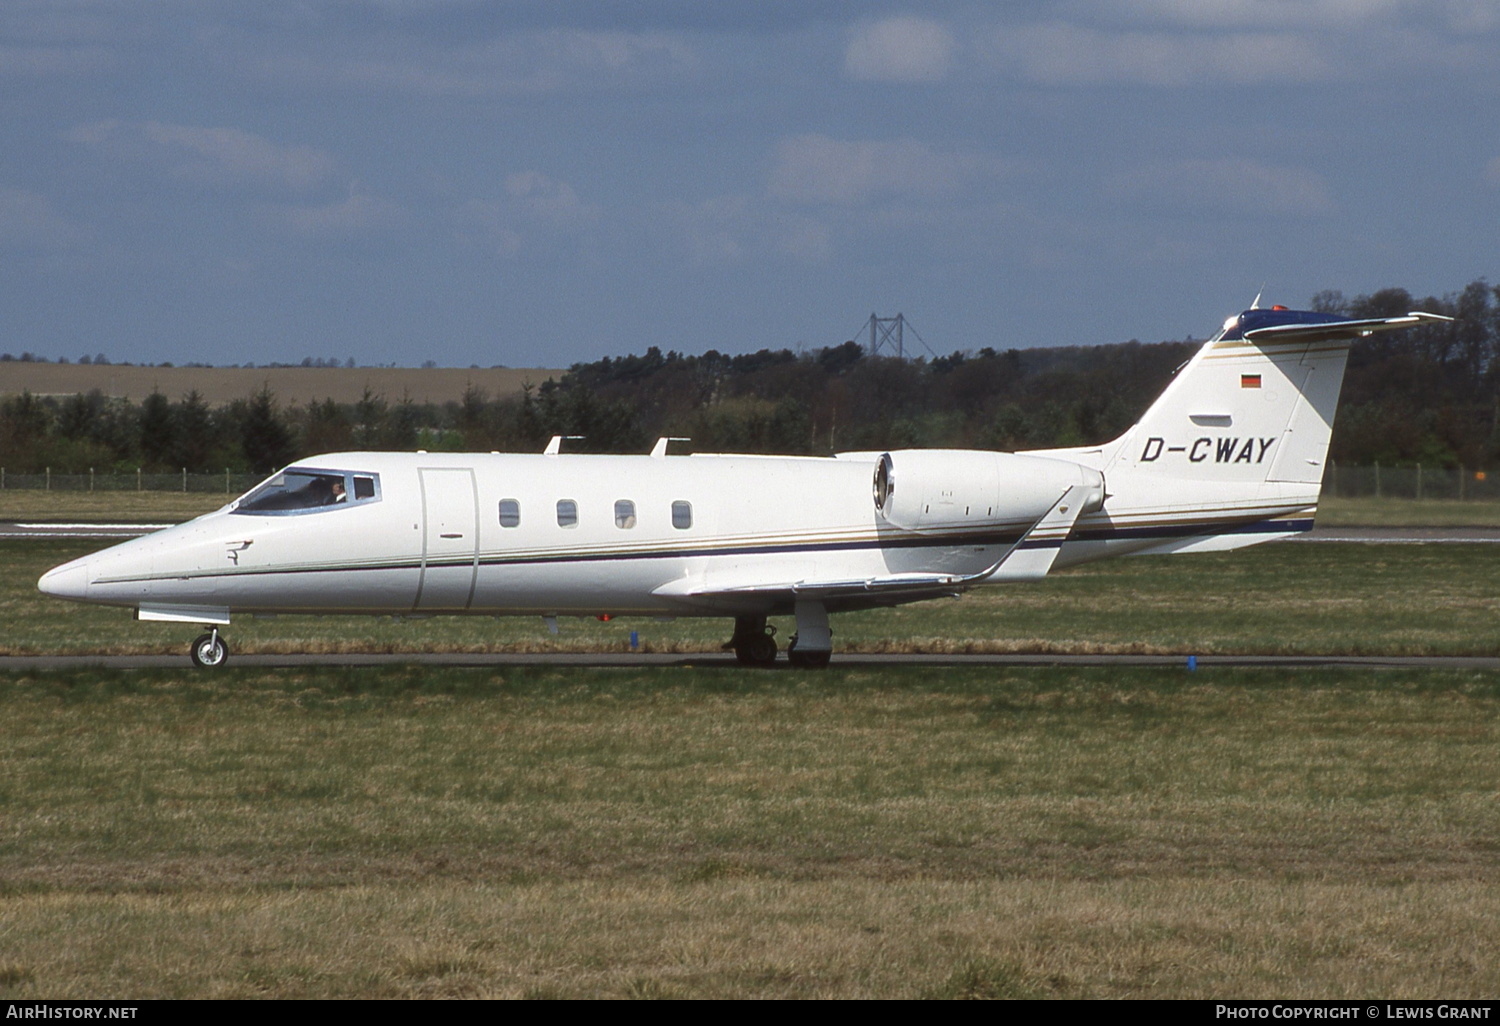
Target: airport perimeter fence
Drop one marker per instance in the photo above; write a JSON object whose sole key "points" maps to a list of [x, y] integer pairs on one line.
{"points": [[1463, 484], [226, 483]]}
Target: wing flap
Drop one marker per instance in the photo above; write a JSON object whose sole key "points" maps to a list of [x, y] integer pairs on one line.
{"points": [[937, 584]]}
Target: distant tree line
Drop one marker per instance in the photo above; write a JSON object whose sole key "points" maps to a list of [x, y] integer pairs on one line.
{"points": [[1429, 395]]}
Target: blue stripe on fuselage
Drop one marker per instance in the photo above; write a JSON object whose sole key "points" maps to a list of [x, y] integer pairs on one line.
{"points": [[1162, 532]]}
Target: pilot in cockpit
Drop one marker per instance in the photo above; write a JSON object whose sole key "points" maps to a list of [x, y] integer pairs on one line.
{"points": [[325, 491]]}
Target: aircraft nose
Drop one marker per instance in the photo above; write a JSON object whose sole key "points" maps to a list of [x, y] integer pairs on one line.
{"points": [[69, 581]]}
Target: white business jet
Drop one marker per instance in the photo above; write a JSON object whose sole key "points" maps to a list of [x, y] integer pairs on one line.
{"points": [[1231, 454]]}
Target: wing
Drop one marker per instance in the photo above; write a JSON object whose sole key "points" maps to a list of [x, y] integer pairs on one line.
{"points": [[1030, 558]]}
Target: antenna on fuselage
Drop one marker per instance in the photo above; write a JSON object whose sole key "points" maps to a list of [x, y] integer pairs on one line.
{"points": [[555, 446], [1256, 305], [660, 448]]}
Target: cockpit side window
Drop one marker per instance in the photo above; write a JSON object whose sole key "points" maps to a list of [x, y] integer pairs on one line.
{"points": [[298, 490]]}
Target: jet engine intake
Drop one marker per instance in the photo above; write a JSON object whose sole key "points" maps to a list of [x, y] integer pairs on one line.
{"points": [[924, 489]]}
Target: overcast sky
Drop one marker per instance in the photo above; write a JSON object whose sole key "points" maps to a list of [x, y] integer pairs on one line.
{"points": [[537, 183]]}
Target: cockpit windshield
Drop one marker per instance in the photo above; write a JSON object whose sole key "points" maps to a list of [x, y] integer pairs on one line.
{"points": [[299, 490]]}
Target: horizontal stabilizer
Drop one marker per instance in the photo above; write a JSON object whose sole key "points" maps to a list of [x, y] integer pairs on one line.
{"points": [[1340, 329]]}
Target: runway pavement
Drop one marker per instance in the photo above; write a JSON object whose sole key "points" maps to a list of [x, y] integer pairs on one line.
{"points": [[621, 660], [1401, 535], [113, 532]]}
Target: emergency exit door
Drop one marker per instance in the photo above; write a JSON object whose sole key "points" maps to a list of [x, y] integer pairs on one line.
{"points": [[450, 538]]}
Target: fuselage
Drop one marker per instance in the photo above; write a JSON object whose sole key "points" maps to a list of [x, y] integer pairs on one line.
{"points": [[498, 534]]}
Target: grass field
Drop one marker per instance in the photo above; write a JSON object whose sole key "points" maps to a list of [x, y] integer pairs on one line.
{"points": [[1274, 599], [107, 507], [1372, 512], [693, 833], [690, 832]]}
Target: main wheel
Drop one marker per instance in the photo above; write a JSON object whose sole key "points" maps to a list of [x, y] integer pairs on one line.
{"points": [[209, 651], [805, 660], [757, 650]]}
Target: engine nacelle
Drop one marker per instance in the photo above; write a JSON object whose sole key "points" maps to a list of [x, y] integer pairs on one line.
{"points": [[947, 488]]}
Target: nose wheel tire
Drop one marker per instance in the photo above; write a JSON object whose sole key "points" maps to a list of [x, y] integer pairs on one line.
{"points": [[209, 651]]}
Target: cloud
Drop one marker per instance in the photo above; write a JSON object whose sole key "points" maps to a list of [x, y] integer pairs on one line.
{"points": [[53, 60], [729, 229], [1461, 16], [1231, 185], [1058, 53], [358, 212], [29, 221], [808, 241], [900, 50], [519, 63], [1176, 43], [1276, 13], [534, 207], [716, 230], [215, 157], [536, 197], [817, 169], [1472, 16]]}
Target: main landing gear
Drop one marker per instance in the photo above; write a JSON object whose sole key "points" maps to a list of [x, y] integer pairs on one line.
{"points": [[209, 651], [805, 660], [812, 645], [754, 641]]}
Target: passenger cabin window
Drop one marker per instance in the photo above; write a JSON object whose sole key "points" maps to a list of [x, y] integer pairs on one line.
{"points": [[625, 514], [510, 513], [682, 515], [296, 490], [567, 513]]}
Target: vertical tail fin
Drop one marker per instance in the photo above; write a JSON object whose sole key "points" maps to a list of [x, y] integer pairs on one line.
{"points": [[1233, 451], [1254, 405]]}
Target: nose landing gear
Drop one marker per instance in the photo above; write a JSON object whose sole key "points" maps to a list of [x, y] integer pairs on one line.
{"points": [[209, 651]]}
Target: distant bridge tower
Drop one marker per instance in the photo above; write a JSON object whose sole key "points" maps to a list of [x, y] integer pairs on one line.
{"points": [[887, 336]]}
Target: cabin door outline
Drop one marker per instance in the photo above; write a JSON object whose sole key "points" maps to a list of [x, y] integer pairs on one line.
{"points": [[450, 538]]}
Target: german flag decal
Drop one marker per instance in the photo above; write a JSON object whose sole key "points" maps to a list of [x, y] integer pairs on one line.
{"points": [[1249, 380]]}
